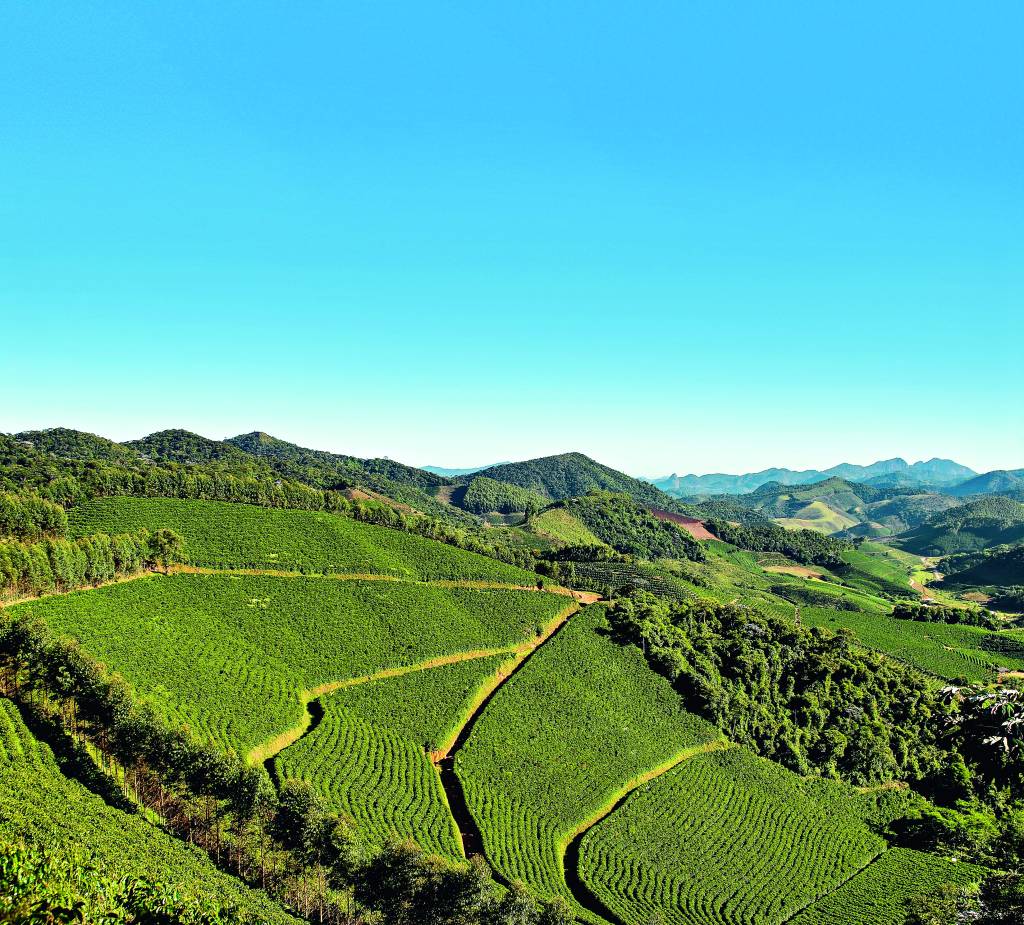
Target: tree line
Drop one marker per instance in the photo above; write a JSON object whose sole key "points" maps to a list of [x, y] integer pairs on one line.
{"points": [[806, 546], [937, 613], [313, 862], [58, 564]]}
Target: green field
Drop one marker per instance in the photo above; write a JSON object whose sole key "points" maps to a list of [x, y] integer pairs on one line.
{"points": [[230, 655], [946, 650], [723, 839], [40, 806], [369, 756], [223, 535], [879, 894], [559, 743], [558, 524], [817, 516]]}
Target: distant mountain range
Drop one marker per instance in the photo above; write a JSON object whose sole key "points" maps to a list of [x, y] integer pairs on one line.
{"points": [[887, 473], [452, 473]]}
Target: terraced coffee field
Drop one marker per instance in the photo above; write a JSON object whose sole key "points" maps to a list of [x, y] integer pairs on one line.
{"points": [[726, 839], [230, 656], [879, 894], [949, 651], [40, 805], [583, 721], [369, 756], [222, 535]]}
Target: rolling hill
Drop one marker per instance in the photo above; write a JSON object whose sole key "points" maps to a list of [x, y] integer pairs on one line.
{"points": [[991, 483], [570, 475], [989, 521]]}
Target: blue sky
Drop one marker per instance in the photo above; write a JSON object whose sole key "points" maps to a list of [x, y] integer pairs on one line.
{"points": [[679, 236]]}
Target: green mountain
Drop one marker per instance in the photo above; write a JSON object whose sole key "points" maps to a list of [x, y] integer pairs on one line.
{"points": [[992, 483], [77, 444], [1002, 567], [989, 521], [570, 475], [853, 509]]}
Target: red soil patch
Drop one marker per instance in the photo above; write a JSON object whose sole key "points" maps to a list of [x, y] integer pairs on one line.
{"points": [[691, 525]]}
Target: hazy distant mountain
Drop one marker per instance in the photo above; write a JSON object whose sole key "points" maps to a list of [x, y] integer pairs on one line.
{"points": [[932, 473], [996, 482], [451, 473]]}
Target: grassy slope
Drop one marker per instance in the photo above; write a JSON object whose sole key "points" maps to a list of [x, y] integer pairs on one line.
{"points": [[726, 837], [559, 741], [369, 757], [226, 535], [817, 516], [229, 655], [39, 805], [558, 524]]}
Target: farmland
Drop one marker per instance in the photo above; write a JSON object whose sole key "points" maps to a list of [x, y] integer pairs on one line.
{"points": [[369, 755], [534, 775], [726, 838], [949, 651], [255, 643], [879, 893], [38, 803], [559, 524], [224, 535]]}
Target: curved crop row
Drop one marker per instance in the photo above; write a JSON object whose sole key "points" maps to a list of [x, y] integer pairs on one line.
{"points": [[947, 650], [225, 535], [230, 656], [369, 757], [879, 893], [560, 741], [726, 839]]}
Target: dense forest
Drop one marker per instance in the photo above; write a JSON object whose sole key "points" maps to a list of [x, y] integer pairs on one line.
{"points": [[805, 546]]}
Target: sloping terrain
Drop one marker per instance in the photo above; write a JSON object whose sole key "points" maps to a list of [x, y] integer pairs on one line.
{"points": [[988, 521]]}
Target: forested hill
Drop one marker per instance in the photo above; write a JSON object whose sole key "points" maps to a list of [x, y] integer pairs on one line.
{"points": [[571, 475], [989, 521]]}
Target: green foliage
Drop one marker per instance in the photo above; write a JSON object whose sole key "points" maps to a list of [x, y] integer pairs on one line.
{"points": [[881, 894], [990, 521], [582, 719], [1001, 566], [483, 495], [228, 656], [27, 516], [573, 474], [789, 693], [945, 650], [724, 838], [805, 546], [42, 806], [224, 535], [630, 528], [369, 757], [935, 613], [557, 523]]}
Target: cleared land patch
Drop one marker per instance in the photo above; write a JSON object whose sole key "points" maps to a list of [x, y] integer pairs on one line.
{"points": [[583, 719], [231, 656]]}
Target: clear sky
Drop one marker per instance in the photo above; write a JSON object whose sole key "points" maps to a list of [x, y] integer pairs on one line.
{"points": [[686, 236]]}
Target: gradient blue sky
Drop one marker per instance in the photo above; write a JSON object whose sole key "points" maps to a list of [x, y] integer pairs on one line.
{"points": [[675, 236]]}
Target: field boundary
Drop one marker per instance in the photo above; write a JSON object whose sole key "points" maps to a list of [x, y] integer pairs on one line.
{"points": [[832, 889], [569, 847]]}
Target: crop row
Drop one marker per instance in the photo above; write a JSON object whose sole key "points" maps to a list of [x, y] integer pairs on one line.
{"points": [[222, 535], [725, 838], [557, 744], [879, 894], [38, 804], [947, 650], [228, 655], [369, 757]]}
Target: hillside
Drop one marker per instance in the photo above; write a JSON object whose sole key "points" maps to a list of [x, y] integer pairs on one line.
{"points": [[888, 473], [989, 521], [999, 567], [994, 483], [573, 474]]}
